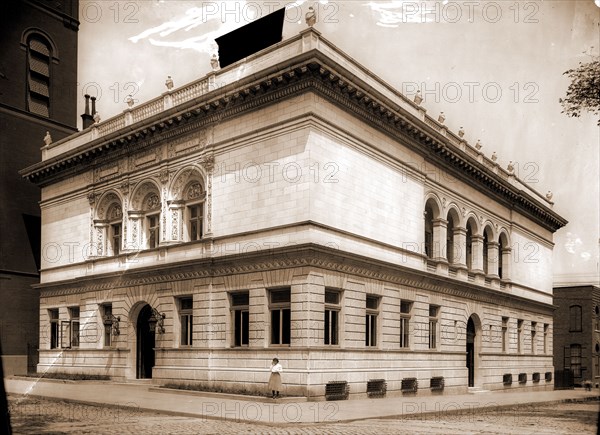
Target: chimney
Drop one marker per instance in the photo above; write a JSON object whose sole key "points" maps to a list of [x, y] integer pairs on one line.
{"points": [[87, 118], [93, 112]]}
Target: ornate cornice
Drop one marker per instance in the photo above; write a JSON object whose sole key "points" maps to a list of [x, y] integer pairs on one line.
{"points": [[299, 256], [315, 72]]}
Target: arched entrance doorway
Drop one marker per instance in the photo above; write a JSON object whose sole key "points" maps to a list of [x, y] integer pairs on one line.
{"points": [[471, 351], [145, 344]]}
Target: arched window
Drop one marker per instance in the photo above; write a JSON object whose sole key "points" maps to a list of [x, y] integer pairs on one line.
{"points": [[575, 318], [151, 208], [114, 216], [194, 203], [39, 55], [429, 231]]}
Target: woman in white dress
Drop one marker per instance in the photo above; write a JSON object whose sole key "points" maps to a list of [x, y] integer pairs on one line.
{"points": [[275, 378]]}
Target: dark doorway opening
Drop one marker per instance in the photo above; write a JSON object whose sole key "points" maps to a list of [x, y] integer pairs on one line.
{"points": [[471, 351], [145, 344]]}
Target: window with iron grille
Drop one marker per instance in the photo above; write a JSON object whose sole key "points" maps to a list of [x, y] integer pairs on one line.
{"points": [[240, 311], [331, 317], [405, 309], [186, 318], [280, 307]]}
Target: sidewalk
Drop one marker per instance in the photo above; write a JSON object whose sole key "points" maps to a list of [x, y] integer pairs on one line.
{"points": [[127, 398]]}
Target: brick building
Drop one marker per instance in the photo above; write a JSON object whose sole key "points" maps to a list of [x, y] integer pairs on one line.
{"points": [[38, 75], [291, 204], [577, 331]]}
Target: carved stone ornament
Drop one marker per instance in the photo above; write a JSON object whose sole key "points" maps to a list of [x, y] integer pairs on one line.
{"points": [[163, 176], [124, 188], [311, 17], [207, 161], [92, 197], [152, 201], [194, 191], [169, 83], [47, 138], [114, 212]]}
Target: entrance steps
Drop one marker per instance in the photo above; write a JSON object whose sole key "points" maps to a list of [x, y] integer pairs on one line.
{"points": [[477, 390]]}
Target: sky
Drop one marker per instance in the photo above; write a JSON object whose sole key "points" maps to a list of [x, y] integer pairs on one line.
{"points": [[494, 68]]}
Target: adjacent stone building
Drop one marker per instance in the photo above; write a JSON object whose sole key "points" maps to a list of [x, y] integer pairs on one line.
{"points": [[292, 204], [38, 76], [577, 332]]}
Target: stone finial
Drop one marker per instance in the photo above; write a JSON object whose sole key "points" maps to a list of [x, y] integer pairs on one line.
{"points": [[461, 132], [214, 62], [549, 196], [511, 167], [96, 118], [129, 100], [441, 118], [478, 145], [311, 17], [169, 83], [47, 138], [418, 99], [494, 156]]}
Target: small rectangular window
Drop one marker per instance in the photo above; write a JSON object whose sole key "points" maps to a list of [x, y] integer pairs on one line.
{"points": [[281, 322], [433, 322], [405, 308], [116, 238], [504, 333], [195, 221], [74, 328], [240, 302], [107, 320], [54, 337], [153, 231], [186, 316], [372, 311], [519, 334], [331, 317]]}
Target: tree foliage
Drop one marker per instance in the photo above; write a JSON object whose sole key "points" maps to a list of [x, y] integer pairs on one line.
{"points": [[583, 94]]}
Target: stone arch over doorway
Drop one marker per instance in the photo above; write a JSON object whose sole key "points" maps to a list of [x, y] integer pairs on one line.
{"points": [[473, 349], [142, 342]]}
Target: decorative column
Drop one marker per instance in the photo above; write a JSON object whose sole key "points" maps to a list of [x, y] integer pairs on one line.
{"points": [[208, 163], [492, 255], [124, 188], [176, 216], [440, 228], [164, 177], [460, 252], [477, 255], [136, 239], [506, 263]]}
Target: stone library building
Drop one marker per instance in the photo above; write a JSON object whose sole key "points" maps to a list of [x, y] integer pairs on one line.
{"points": [[291, 204]]}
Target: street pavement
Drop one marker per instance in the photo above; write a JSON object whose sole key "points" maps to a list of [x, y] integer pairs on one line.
{"points": [[125, 399]]}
